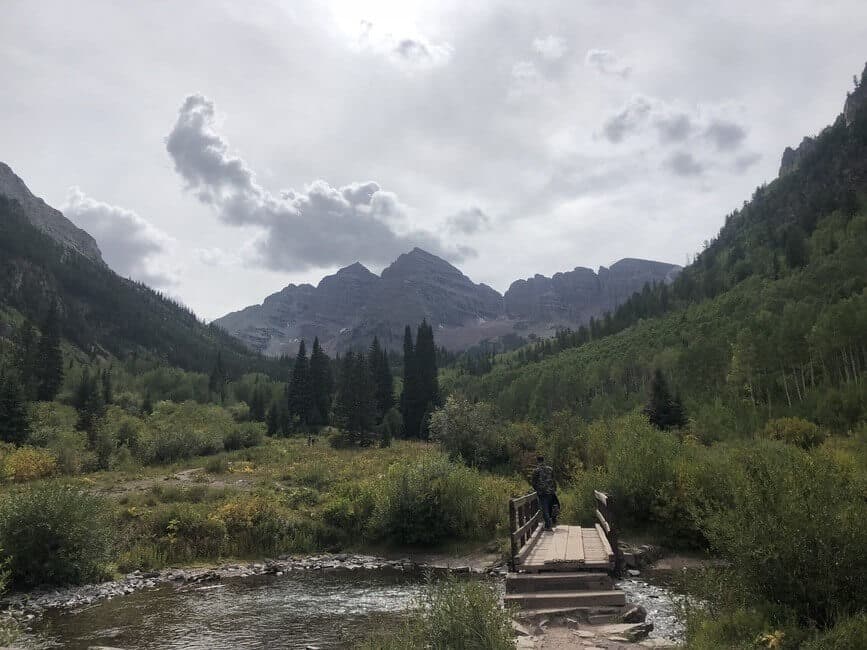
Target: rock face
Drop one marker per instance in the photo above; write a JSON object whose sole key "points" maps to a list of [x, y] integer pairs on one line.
{"points": [[43, 216], [856, 100], [792, 157], [348, 308], [576, 296]]}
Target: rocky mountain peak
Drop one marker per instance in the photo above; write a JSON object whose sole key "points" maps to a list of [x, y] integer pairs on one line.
{"points": [[856, 99], [418, 263], [47, 219]]}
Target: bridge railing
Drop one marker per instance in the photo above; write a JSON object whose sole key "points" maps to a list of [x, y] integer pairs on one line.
{"points": [[525, 518], [607, 526]]}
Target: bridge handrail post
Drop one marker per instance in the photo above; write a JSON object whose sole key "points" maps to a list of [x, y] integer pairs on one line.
{"points": [[605, 513]]}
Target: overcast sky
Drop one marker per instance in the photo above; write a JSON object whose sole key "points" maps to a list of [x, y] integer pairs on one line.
{"points": [[221, 150]]}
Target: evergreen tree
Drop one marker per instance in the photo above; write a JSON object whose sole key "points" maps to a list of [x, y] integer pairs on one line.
{"points": [[147, 406], [409, 397], [14, 425], [257, 405], [382, 379], [355, 406], [219, 379], [25, 359], [426, 365], [300, 398], [272, 421], [107, 390], [89, 403], [663, 410], [49, 369], [321, 385]]}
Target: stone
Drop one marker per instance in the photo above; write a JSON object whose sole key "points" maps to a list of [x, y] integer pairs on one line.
{"points": [[635, 614], [521, 630], [585, 634], [633, 573]]}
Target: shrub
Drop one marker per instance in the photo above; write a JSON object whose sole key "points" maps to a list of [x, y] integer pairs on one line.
{"points": [[50, 421], [29, 463], [469, 432], [451, 615], [850, 632], [55, 534], [392, 425], [241, 436], [795, 431], [185, 532], [73, 456], [217, 464], [184, 430], [794, 532], [254, 524], [433, 500]]}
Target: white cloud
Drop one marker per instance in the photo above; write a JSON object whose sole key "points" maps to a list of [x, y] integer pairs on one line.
{"points": [[318, 226], [550, 47], [606, 62], [130, 244], [411, 49]]}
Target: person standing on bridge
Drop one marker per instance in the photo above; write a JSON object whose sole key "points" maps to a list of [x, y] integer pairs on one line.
{"points": [[543, 483]]}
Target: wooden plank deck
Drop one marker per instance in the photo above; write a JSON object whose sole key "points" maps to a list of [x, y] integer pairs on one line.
{"points": [[568, 548]]}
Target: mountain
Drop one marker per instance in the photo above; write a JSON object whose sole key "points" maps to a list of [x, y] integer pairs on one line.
{"points": [[47, 262], [350, 307], [47, 219]]}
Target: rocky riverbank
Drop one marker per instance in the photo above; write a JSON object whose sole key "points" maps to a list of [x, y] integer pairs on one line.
{"points": [[25, 608]]}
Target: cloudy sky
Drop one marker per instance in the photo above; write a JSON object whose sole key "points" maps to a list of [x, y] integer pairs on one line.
{"points": [[221, 150]]}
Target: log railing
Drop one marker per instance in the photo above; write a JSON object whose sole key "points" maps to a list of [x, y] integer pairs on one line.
{"points": [[607, 526], [525, 518]]}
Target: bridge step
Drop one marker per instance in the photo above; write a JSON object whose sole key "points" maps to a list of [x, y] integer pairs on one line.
{"points": [[566, 581], [555, 599]]}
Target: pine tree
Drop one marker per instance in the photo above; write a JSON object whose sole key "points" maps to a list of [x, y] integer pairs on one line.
{"points": [[663, 410], [219, 379], [300, 398], [107, 390], [272, 421], [355, 406], [409, 397], [25, 359], [321, 385], [49, 370], [257, 405], [426, 364], [382, 379], [88, 402], [147, 406], [14, 425]]}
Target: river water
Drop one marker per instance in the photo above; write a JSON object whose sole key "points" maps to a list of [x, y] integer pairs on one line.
{"points": [[306, 608]]}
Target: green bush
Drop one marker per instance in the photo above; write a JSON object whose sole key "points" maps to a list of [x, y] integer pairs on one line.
{"points": [[246, 434], [186, 532], [434, 500], [451, 615], [850, 632], [468, 432], [795, 431], [794, 532], [55, 534], [184, 430]]}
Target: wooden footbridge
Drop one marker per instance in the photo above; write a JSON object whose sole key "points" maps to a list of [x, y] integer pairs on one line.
{"points": [[568, 567]]}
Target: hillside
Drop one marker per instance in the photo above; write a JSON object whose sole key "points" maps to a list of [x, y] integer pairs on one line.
{"points": [[99, 310], [770, 319], [352, 306]]}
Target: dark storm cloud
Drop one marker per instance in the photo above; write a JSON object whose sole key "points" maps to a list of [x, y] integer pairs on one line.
{"points": [[684, 163], [130, 244], [318, 226], [469, 221], [726, 135]]}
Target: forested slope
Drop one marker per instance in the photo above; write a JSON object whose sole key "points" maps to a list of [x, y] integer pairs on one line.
{"points": [[101, 311], [770, 319]]}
